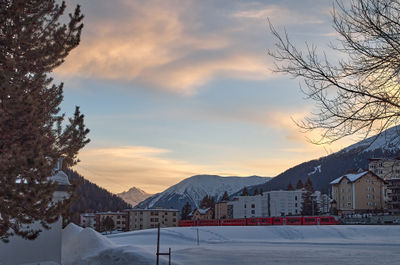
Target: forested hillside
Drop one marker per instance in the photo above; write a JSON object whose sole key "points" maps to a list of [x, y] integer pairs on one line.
{"points": [[92, 198]]}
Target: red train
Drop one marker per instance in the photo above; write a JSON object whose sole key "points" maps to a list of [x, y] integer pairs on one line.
{"points": [[292, 220]]}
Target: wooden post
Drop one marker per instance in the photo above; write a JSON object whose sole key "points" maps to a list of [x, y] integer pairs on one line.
{"points": [[158, 245], [169, 258], [198, 240]]}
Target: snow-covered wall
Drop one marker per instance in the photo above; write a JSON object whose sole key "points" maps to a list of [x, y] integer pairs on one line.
{"points": [[45, 248]]}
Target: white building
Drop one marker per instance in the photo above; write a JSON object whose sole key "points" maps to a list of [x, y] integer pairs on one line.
{"points": [[248, 206], [87, 220], [271, 203], [283, 202]]}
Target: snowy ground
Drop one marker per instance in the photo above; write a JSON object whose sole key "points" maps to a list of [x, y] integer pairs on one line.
{"points": [[238, 245]]}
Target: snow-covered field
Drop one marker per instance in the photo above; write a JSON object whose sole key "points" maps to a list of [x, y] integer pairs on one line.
{"points": [[237, 245]]}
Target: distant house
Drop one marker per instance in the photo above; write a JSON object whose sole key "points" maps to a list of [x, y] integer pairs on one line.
{"points": [[358, 192], [203, 214]]}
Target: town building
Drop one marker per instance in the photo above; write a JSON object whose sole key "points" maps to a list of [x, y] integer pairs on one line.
{"points": [[87, 220], [271, 203], [389, 170], [248, 206], [221, 210], [284, 202], [358, 192], [203, 214], [150, 218], [120, 220]]}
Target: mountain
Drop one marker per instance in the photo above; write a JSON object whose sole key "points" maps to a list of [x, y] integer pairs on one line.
{"points": [[134, 195], [325, 169], [92, 198], [193, 190]]}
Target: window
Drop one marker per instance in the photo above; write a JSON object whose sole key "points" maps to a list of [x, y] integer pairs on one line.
{"points": [[174, 220], [174, 214], [118, 222], [295, 198], [253, 205], [253, 211], [119, 217], [349, 204], [245, 206]]}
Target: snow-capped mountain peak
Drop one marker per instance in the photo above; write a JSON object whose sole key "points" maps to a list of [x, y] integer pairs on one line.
{"points": [[134, 196], [194, 189]]}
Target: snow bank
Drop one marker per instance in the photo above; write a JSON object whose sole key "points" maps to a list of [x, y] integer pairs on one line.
{"points": [[80, 243], [84, 246]]}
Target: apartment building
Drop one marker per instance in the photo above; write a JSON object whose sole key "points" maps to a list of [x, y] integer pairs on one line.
{"points": [[389, 170], [284, 202], [120, 220], [358, 192], [150, 218], [271, 203], [248, 206]]}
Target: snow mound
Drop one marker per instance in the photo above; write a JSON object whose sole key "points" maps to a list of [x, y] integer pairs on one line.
{"points": [[86, 243], [69, 232]]}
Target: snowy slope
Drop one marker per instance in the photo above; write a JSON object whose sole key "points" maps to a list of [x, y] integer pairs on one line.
{"points": [[134, 196], [388, 140], [193, 190]]}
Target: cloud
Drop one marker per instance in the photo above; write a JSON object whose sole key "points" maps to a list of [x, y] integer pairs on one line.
{"points": [[174, 46]]}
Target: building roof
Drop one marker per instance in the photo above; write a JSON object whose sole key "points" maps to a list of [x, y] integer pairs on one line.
{"points": [[352, 177], [203, 211]]}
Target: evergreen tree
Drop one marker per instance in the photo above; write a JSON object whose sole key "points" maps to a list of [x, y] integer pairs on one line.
{"points": [[299, 185], [186, 210], [309, 186], [245, 192], [108, 224], [290, 187], [32, 43], [208, 202], [256, 192], [225, 197]]}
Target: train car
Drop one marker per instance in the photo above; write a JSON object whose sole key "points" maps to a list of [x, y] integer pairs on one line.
{"points": [[327, 220], [310, 220], [185, 223], [293, 220], [233, 222], [208, 223], [277, 220], [253, 221], [265, 221]]}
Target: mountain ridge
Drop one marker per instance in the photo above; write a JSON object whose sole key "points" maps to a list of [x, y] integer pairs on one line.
{"points": [[194, 188]]}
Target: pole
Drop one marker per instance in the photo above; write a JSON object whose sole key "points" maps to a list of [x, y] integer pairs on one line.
{"points": [[198, 240], [169, 258], [158, 245]]}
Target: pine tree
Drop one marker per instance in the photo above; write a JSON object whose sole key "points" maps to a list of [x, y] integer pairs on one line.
{"points": [[245, 192], [309, 186], [32, 43], [186, 210], [225, 197], [108, 224], [290, 187], [256, 192], [299, 185]]}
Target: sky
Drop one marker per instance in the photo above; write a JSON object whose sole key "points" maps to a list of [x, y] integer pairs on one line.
{"points": [[171, 89]]}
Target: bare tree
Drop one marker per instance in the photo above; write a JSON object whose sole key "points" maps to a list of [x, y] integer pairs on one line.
{"points": [[358, 94]]}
